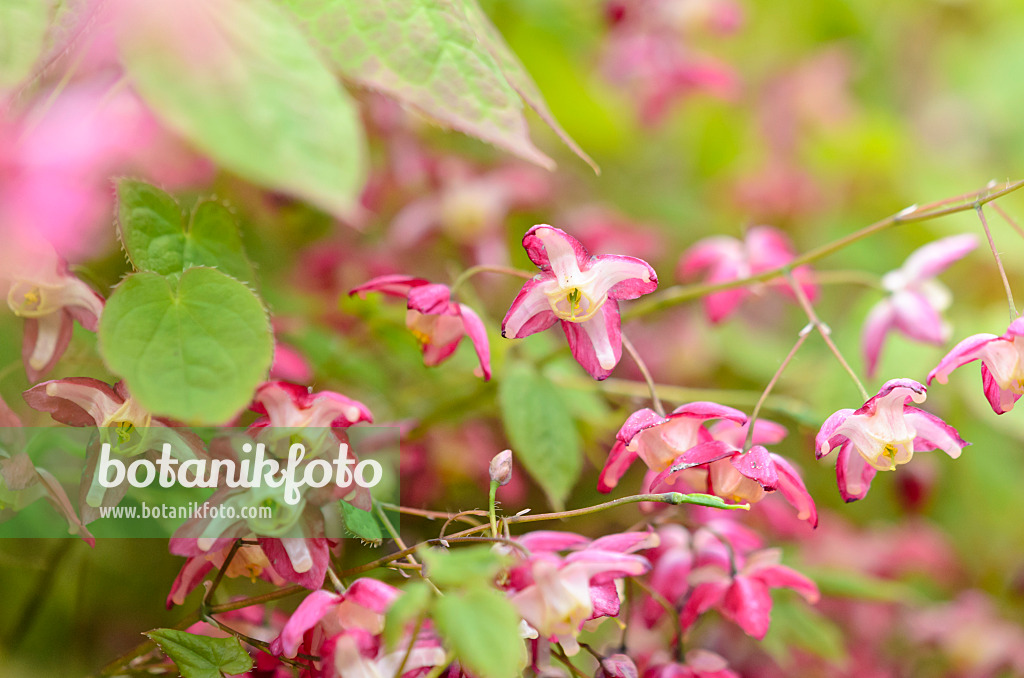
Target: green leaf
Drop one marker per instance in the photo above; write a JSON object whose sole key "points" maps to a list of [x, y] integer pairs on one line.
{"points": [[469, 566], [794, 625], [482, 627], [192, 348], [411, 605], [202, 656], [156, 238], [239, 80], [442, 57], [856, 585], [541, 429], [23, 26], [361, 523]]}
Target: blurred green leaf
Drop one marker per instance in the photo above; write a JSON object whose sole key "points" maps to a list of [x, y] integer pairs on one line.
{"points": [[239, 80], [541, 429], [442, 57], [156, 239], [202, 656], [192, 348], [458, 568], [795, 625], [482, 627], [23, 25]]}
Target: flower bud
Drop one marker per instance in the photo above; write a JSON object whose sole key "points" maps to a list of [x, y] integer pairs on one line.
{"points": [[501, 467]]}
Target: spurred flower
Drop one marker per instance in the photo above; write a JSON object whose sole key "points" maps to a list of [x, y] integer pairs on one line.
{"points": [[916, 300], [581, 291], [288, 405], [658, 440], [883, 433], [725, 259], [1002, 364], [434, 319], [50, 299]]}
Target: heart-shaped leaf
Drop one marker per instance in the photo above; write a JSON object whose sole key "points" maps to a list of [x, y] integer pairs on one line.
{"points": [[202, 656]]}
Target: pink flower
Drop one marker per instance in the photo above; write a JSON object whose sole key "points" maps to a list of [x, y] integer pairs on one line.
{"points": [[434, 319], [1002, 364], [699, 664], [726, 259], [555, 595], [286, 405], [50, 299], [738, 584], [916, 300], [658, 440], [582, 292], [883, 433]]}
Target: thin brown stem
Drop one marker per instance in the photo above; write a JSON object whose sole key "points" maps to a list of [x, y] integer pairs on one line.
{"points": [[678, 294], [464, 516], [1006, 217], [999, 263], [257, 600], [558, 653], [651, 386], [801, 338], [824, 331], [220, 573]]}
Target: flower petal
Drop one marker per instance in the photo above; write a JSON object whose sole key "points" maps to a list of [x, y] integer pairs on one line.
{"points": [[619, 460], [935, 257], [915, 316], [554, 250], [1002, 400], [307, 615], [478, 336], [792, 487], [748, 604], [826, 438], [853, 473], [757, 465], [880, 320], [621, 277], [530, 311], [596, 344], [393, 285], [966, 351], [934, 434]]}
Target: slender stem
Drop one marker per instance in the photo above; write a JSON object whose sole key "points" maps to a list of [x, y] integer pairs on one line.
{"points": [[847, 278], [458, 516], [558, 653], [42, 588], [801, 338], [635, 355], [115, 666], [492, 496], [1006, 217], [261, 645], [257, 600], [825, 332], [787, 405], [220, 574], [673, 613], [484, 268], [999, 263], [677, 294], [424, 513], [394, 534], [408, 650]]}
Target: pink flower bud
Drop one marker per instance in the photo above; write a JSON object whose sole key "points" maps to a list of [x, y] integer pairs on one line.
{"points": [[501, 467]]}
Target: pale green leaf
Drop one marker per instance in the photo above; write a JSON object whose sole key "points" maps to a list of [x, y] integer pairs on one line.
{"points": [[468, 566], [239, 80], [408, 607], [23, 26], [360, 523], [192, 348], [482, 627]]}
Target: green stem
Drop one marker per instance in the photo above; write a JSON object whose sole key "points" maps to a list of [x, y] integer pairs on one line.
{"points": [[42, 588], [490, 508], [678, 294], [473, 270], [631, 350]]}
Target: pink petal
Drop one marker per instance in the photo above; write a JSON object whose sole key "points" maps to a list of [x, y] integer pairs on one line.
{"points": [[880, 320], [1002, 400], [281, 561], [551, 541], [45, 341], [59, 498], [935, 257], [547, 247], [966, 351], [780, 576], [893, 395], [749, 605], [619, 460], [307, 615], [708, 253], [918, 319], [720, 305], [372, 594], [76, 401], [934, 434], [626, 542], [709, 410], [853, 473], [792, 487], [702, 598], [701, 454], [767, 248], [432, 299], [622, 277], [824, 442], [604, 566], [478, 336], [393, 285], [757, 465], [192, 572], [605, 600], [596, 344], [639, 421], [530, 312]]}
